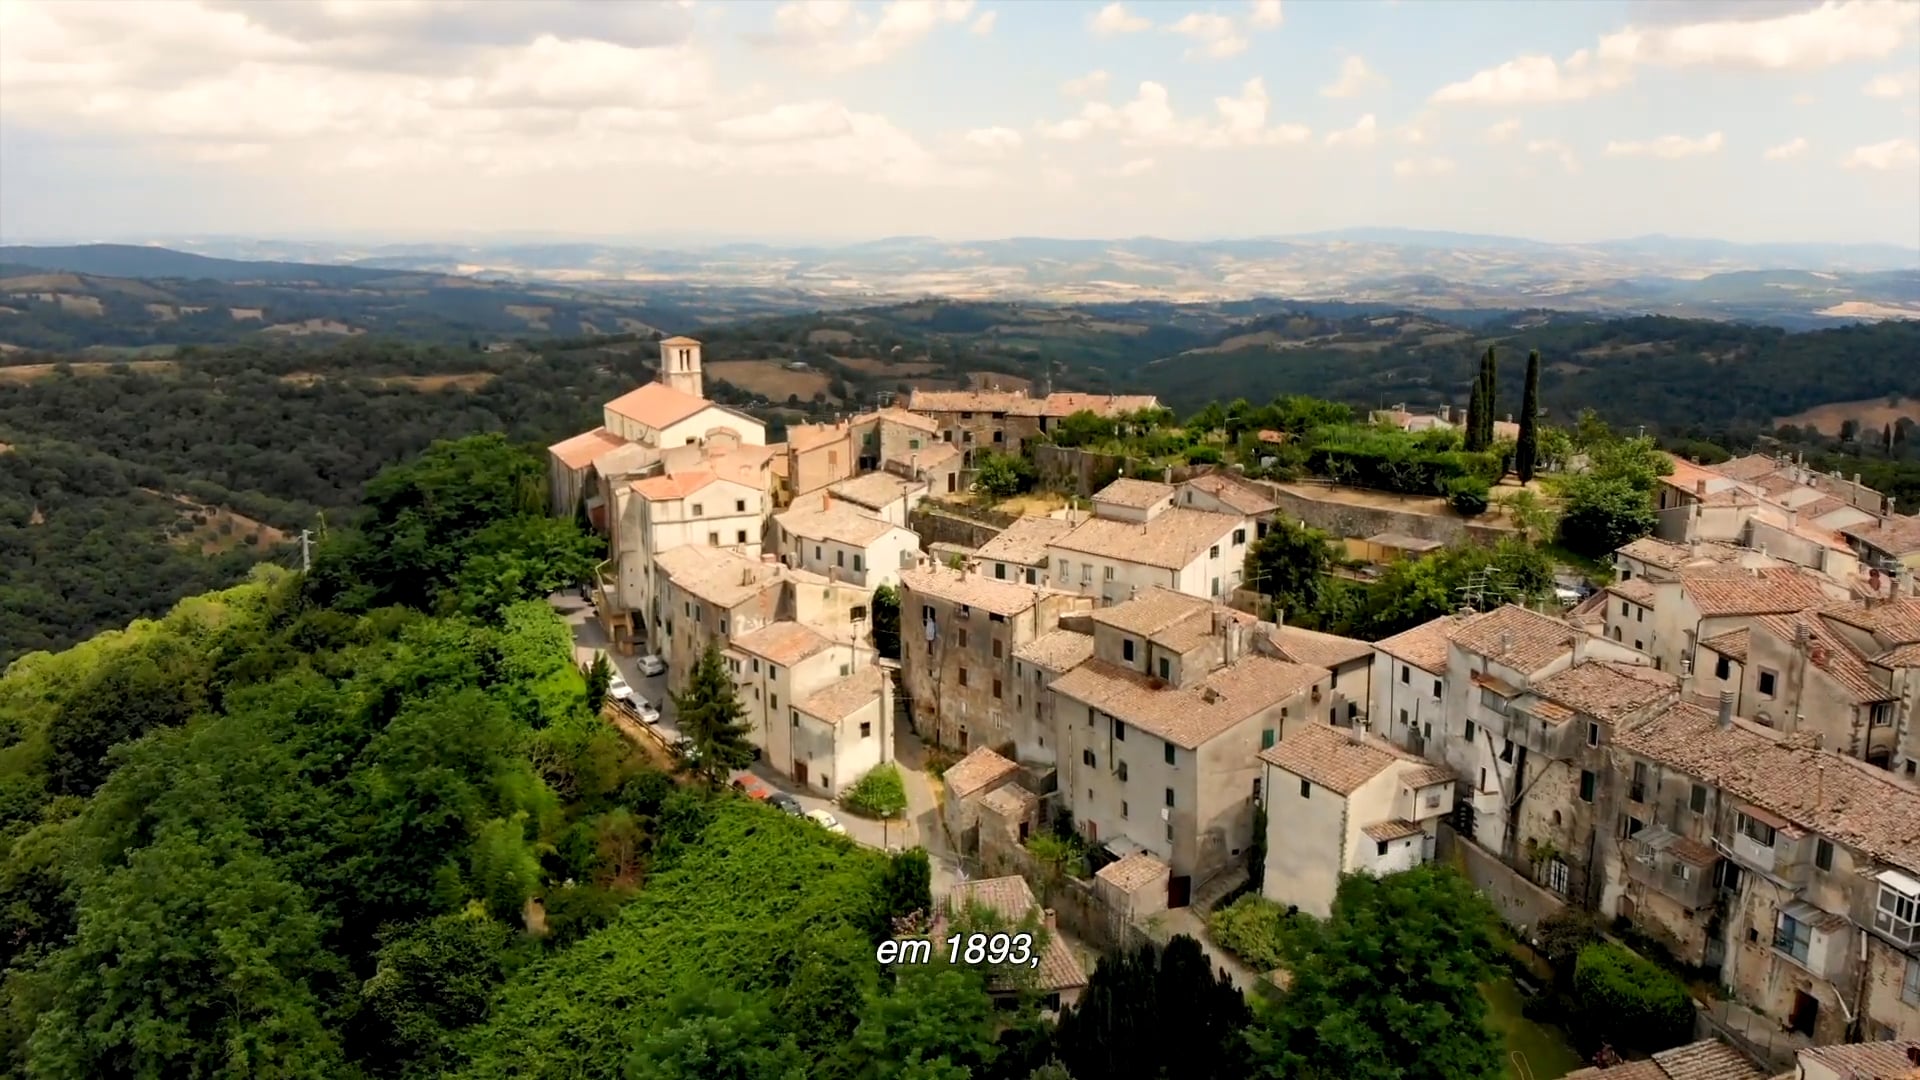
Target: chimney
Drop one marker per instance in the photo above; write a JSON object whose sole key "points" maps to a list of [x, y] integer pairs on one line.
{"points": [[826, 500], [1801, 636], [1700, 488], [1725, 719], [1913, 1054], [1046, 919], [1579, 646], [1506, 642]]}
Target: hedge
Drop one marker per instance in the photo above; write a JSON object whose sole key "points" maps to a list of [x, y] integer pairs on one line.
{"points": [[1631, 1001]]}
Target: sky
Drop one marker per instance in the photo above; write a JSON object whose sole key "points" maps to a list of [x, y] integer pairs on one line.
{"points": [[1570, 120]]}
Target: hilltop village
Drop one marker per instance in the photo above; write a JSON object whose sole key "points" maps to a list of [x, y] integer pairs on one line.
{"points": [[1714, 752]]}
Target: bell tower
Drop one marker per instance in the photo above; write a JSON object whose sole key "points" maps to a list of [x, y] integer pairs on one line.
{"points": [[680, 365]]}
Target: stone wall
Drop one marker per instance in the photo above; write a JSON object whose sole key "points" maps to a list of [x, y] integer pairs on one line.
{"points": [[938, 524], [1520, 902], [1079, 472], [1347, 512], [1078, 908]]}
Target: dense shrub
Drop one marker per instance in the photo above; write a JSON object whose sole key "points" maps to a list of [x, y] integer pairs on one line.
{"points": [[1394, 461], [879, 794], [1630, 1001], [1468, 495], [1260, 932]]}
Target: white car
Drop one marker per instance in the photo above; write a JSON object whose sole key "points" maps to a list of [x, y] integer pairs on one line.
{"points": [[618, 690], [826, 821], [651, 665], [649, 713]]}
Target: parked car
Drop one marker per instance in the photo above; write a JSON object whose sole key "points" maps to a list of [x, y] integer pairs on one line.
{"points": [[618, 690], [826, 821], [787, 803], [651, 665], [649, 713]]}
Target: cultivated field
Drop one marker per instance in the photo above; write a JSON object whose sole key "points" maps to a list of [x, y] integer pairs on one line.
{"points": [[33, 372], [218, 529], [1871, 415], [770, 379], [463, 380], [873, 365]]}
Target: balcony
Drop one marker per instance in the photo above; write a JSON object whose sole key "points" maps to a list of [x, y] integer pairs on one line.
{"points": [[1753, 854], [1673, 865]]}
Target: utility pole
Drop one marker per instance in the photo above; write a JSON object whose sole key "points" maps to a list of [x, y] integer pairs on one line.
{"points": [[306, 550]]}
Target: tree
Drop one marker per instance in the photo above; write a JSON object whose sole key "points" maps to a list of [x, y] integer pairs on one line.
{"points": [[1001, 476], [1600, 514], [1289, 565], [1153, 1013], [1468, 495], [1490, 398], [906, 887], [1391, 990], [879, 794], [431, 979], [1528, 449], [1476, 410], [936, 1024], [886, 622], [717, 1035], [1630, 1000], [711, 719], [599, 679]]}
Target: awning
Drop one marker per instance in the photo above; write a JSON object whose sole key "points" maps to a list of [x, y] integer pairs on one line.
{"points": [[1899, 882]]}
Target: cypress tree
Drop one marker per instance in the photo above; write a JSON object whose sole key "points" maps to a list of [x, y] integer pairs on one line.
{"points": [[1476, 406], [1492, 395], [1529, 447]]}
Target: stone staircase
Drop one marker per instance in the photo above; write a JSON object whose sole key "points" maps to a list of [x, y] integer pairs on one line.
{"points": [[1216, 888]]}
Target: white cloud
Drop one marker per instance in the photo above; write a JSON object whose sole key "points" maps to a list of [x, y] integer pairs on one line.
{"points": [[1362, 133], [1502, 131], [1266, 14], [1409, 168], [1557, 150], [1892, 154], [1413, 135], [1668, 147], [1831, 34], [994, 141], [835, 36], [1355, 78], [1894, 85], [1056, 179], [1149, 121], [1136, 167], [984, 24], [1092, 84], [1116, 19], [1215, 36], [1786, 151]]}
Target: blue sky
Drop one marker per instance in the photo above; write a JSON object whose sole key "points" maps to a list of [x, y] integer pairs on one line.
{"points": [[426, 119]]}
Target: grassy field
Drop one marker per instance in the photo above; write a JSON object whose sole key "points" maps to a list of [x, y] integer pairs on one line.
{"points": [[1534, 1051], [1871, 415], [769, 378]]}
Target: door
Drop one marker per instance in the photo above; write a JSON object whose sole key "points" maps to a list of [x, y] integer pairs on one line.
{"points": [[1179, 891], [800, 772], [1806, 1011]]}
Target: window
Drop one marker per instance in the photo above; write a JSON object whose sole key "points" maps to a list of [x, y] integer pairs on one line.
{"points": [[796, 717], [1169, 796], [713, 539], [1626, 573], [1757, 831], [1895, 913], [1172, 755], [1306, 789], [999, 436], [913, 444], [961, 637], [1169, 832], [1639, 614], [840, 558], [845, 671], [1123, 772], [963, 676], [1213, 552], [1557, 875], [723, 626], [756, 666], [1065, 569], [740, 537], [1166, 669], [1471, 731], [1239, 537], [1406, 674], [1623, 609], [1882, 714], [699, 509], [1766, 683], [1087, 759], [1216, 587], [1697, 799], [866, 729], [1637, 791], [1119, 731], [1639, 646], [1106, 574], [1587, 783], [859, 563], [998, 648], [1823, 854], [1380, 847], [1791, 936], [1634, 825], [1123, 803], [773, 702], [1593, 733], [1090, 712], [1126, 649], [996, 689], [833, 458], [1266, 738], [817, 556], [1910, 983], [1000, 571], [1722, 668], [1436, 689]]}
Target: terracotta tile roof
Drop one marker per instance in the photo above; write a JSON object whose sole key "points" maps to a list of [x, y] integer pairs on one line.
{"points": [[1010, 898], [1239, 496], [1898, 536], [1134, 871], [1515, 637], [579, 451], [668, 488], [656, 405], [1865, 1061], [1387, 831], [1832, 655], [931, 456], [803, 438], [876, 490], [838, 522], [1841, 798], [1686, 476], [895, 415], [1667, 555], [1057, 650], [977, 770], [972, 589], [1732, 644], [1751, 467], [1627, 1070], [1136, 494], [1424, 646], [716, 575], [1154, 610], [743, 465], [1608, 690], [780, 466], [1902, 656], [1634, 589], [1709, 1059], [1779, 590], [987, 401], [1024, 542], [1304, 646], [1551, 711], [1190, 633], [1171, 540], [1428, 777], [1187, 715], [678, 341], [1011, 801], [839, 700], [784, 643], [1894, 622], [1333, 758], [1062, 403]]}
